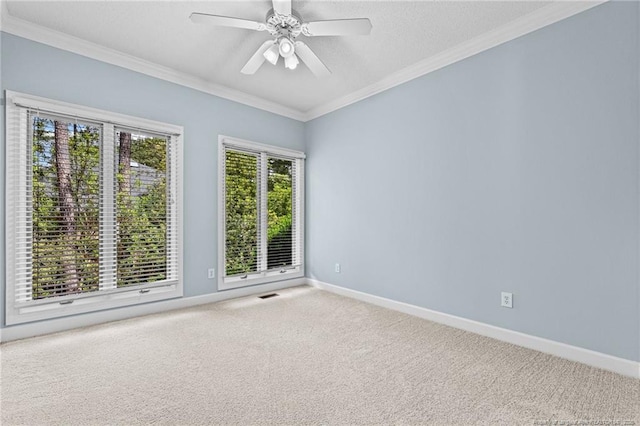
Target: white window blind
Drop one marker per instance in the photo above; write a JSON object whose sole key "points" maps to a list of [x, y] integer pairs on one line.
{"points": [[146, 243], [93, 208], [63, 185], [261, 213]]}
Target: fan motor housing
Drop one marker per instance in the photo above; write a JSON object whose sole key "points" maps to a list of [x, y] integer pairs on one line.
{"points": [[289, 26]]}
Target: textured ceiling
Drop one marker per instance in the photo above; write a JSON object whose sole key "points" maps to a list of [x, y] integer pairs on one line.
{"points": [[404, 33]]}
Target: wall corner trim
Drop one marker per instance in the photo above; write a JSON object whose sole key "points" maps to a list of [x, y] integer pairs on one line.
{"points": [[573, 353]]}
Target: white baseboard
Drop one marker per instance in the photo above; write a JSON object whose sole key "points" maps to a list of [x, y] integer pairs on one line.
{"points": [[38, 328], [563, 350]]}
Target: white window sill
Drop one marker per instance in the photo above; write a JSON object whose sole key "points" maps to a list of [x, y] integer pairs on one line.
{"points": [[228, 283], [36, 312]]}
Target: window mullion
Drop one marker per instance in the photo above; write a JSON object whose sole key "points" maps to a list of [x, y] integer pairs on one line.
{"points": [[263, 210], [108, 220]]}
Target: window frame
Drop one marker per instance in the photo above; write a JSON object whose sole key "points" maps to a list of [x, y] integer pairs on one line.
{"points": [[18, 143], [266, 276]]}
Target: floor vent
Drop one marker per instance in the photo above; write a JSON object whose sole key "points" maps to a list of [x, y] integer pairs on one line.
{"points": [[268, 296]]}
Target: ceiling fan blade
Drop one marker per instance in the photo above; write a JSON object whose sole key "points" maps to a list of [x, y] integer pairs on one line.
{"points": [[337, 27], [311, 60], [257, 59], [225, 21], [282, 7]]}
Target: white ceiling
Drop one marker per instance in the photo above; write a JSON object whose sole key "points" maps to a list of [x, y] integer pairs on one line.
{"points": [[404, 33]]}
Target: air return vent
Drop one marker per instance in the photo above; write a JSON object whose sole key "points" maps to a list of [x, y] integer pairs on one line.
{"points": [[268, 296]]}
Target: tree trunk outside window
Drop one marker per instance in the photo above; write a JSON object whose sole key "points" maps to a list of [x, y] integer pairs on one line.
{"points": [[66, 205]]}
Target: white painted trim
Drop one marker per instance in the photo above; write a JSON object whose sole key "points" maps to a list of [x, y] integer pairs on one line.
{"points": [[563, 350], [257, 147], [40, 34], [23, 331], [540, 18]]}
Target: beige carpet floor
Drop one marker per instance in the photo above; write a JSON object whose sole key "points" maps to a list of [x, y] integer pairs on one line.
{"points": [[304, 357]]}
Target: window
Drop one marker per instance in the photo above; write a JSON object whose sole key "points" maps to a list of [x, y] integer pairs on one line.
{"points": [[261, 203], [93, 209]]}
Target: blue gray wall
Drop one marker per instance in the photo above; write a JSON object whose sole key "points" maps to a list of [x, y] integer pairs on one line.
{"points": [[514, 170], [2, 188], [41, 70]]}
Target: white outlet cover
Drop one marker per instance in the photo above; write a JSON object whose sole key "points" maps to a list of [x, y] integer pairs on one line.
{"points": [[338, 267], [506, 300], [211, 273]]}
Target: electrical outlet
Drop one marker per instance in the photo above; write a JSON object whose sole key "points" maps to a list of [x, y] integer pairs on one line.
{"points": [[506, 300], [211, 273], [337, 268]]}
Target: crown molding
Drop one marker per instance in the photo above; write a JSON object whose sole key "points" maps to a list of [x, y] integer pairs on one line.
{"points": [[533, 21], [19, 27], [540, 18]]}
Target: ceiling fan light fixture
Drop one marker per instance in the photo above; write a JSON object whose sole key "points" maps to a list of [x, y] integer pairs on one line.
{"points": [[285, 47], [285, 24], [272, 54], [291, 62]]}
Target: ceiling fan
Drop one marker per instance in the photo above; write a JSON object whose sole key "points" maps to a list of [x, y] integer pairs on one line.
{"points": [[285, 25]]}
